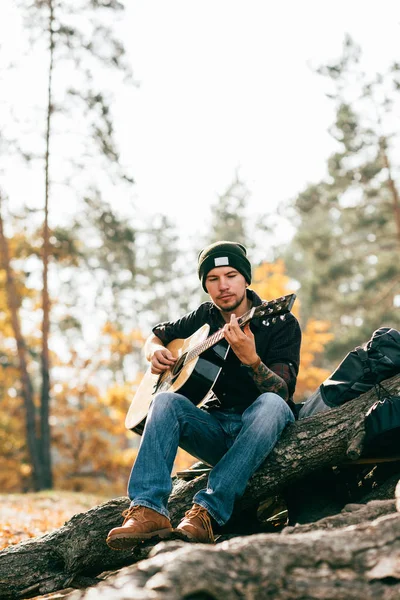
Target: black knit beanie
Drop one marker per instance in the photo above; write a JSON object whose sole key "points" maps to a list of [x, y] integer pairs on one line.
{"points": [[222, 254]]}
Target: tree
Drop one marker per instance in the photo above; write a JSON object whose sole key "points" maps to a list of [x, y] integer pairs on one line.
{"points": [[348, 234], [45, 361], [91, 448], [72, 105]]}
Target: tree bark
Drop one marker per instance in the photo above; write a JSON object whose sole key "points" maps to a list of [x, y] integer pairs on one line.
{"points": [[78, 549], [351, 563]]}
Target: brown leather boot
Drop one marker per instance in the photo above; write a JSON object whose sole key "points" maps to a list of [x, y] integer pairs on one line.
{"points": [[196, 526], [140, 524]]}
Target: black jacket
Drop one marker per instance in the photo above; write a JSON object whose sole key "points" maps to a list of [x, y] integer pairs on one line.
{"points": [[277, 345]]}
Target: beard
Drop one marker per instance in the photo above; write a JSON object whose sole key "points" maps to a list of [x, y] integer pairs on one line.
{"points": [[233, 306]]}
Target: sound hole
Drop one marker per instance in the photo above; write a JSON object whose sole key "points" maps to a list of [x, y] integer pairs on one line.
{"points": [[178, 365]]}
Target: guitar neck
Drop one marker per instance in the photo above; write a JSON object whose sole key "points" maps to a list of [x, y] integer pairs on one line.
{"points": [[273, 308], [216, 337]]}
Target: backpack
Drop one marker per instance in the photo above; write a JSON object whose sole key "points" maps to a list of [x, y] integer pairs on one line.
{"points": [[363, 367], [360, 370], [382, 425]]}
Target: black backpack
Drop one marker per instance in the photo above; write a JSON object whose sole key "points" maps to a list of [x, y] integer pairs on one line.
{"points": [[382, 425], [363, 367]]}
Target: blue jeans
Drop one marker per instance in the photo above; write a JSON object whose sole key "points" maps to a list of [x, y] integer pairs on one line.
{"points": [[234, 444]]}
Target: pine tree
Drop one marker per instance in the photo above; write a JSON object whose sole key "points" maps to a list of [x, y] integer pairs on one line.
{"points": [[348, 235]]}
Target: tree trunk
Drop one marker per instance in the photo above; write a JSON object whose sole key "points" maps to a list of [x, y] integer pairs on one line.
{"points": [[45, 366], [27, 388], [350, 563], [78, 549]]}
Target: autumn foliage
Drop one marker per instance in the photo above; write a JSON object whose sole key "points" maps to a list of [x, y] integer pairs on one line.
{"points": [[270, 281], [91, 449]]}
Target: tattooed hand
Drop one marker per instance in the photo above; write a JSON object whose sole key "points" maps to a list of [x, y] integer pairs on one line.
{"points": [[243, 344]]}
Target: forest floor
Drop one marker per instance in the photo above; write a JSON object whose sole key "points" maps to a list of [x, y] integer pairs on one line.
{"points": [[24, 516]]}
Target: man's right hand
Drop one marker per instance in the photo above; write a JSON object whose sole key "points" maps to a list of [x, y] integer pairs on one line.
{"points": [[161, 360]]}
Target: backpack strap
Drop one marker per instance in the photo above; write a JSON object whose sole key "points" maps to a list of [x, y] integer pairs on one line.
{"points": [[363, 356], [381, 391]]}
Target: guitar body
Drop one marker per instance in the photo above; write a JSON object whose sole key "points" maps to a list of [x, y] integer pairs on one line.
{"points": [[193, 380]]}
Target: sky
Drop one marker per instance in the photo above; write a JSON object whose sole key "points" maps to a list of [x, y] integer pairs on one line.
{"points": [[228, 85]]}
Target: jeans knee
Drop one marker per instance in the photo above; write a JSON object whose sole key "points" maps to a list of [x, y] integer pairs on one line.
{"points": [[270, 405], [168, 402]]}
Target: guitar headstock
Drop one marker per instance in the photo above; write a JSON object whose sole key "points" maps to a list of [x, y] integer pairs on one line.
{"points": [[274, 308]]}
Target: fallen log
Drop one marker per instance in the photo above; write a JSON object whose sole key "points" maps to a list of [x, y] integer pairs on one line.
{"points": [[362, 561], [324, 440], [56, 560], [351, 514]]}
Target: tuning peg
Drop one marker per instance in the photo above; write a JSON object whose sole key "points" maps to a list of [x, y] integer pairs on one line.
{"points": [[266, 322], [282, 317], [273, 320]]}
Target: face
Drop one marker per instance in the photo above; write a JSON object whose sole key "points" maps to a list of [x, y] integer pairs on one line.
{"points": [[227, 288]]}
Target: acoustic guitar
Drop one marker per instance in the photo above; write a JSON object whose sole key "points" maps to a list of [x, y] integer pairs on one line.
{"points": [[200, 359]]}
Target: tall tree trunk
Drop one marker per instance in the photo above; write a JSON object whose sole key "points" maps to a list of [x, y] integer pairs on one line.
{"points": [[45, 393], [27, 388]]}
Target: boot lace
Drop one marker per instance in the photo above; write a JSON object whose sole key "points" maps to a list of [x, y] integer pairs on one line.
{"points": [[133, 512], [201, 513]]}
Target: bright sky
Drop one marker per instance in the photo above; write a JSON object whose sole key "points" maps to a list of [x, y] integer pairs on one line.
{"points": [[227, 84]]}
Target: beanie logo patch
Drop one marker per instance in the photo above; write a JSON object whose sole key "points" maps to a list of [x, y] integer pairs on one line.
{"points": [[221, 261]]}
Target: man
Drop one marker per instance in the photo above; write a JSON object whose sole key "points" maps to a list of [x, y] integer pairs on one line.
{"points": [[236, 430]]}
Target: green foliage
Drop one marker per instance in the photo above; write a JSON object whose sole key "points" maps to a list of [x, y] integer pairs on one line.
{"points": [[346, 246]]}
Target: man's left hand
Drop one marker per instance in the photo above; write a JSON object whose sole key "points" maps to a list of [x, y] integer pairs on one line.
{"points": [[241, 341]]}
